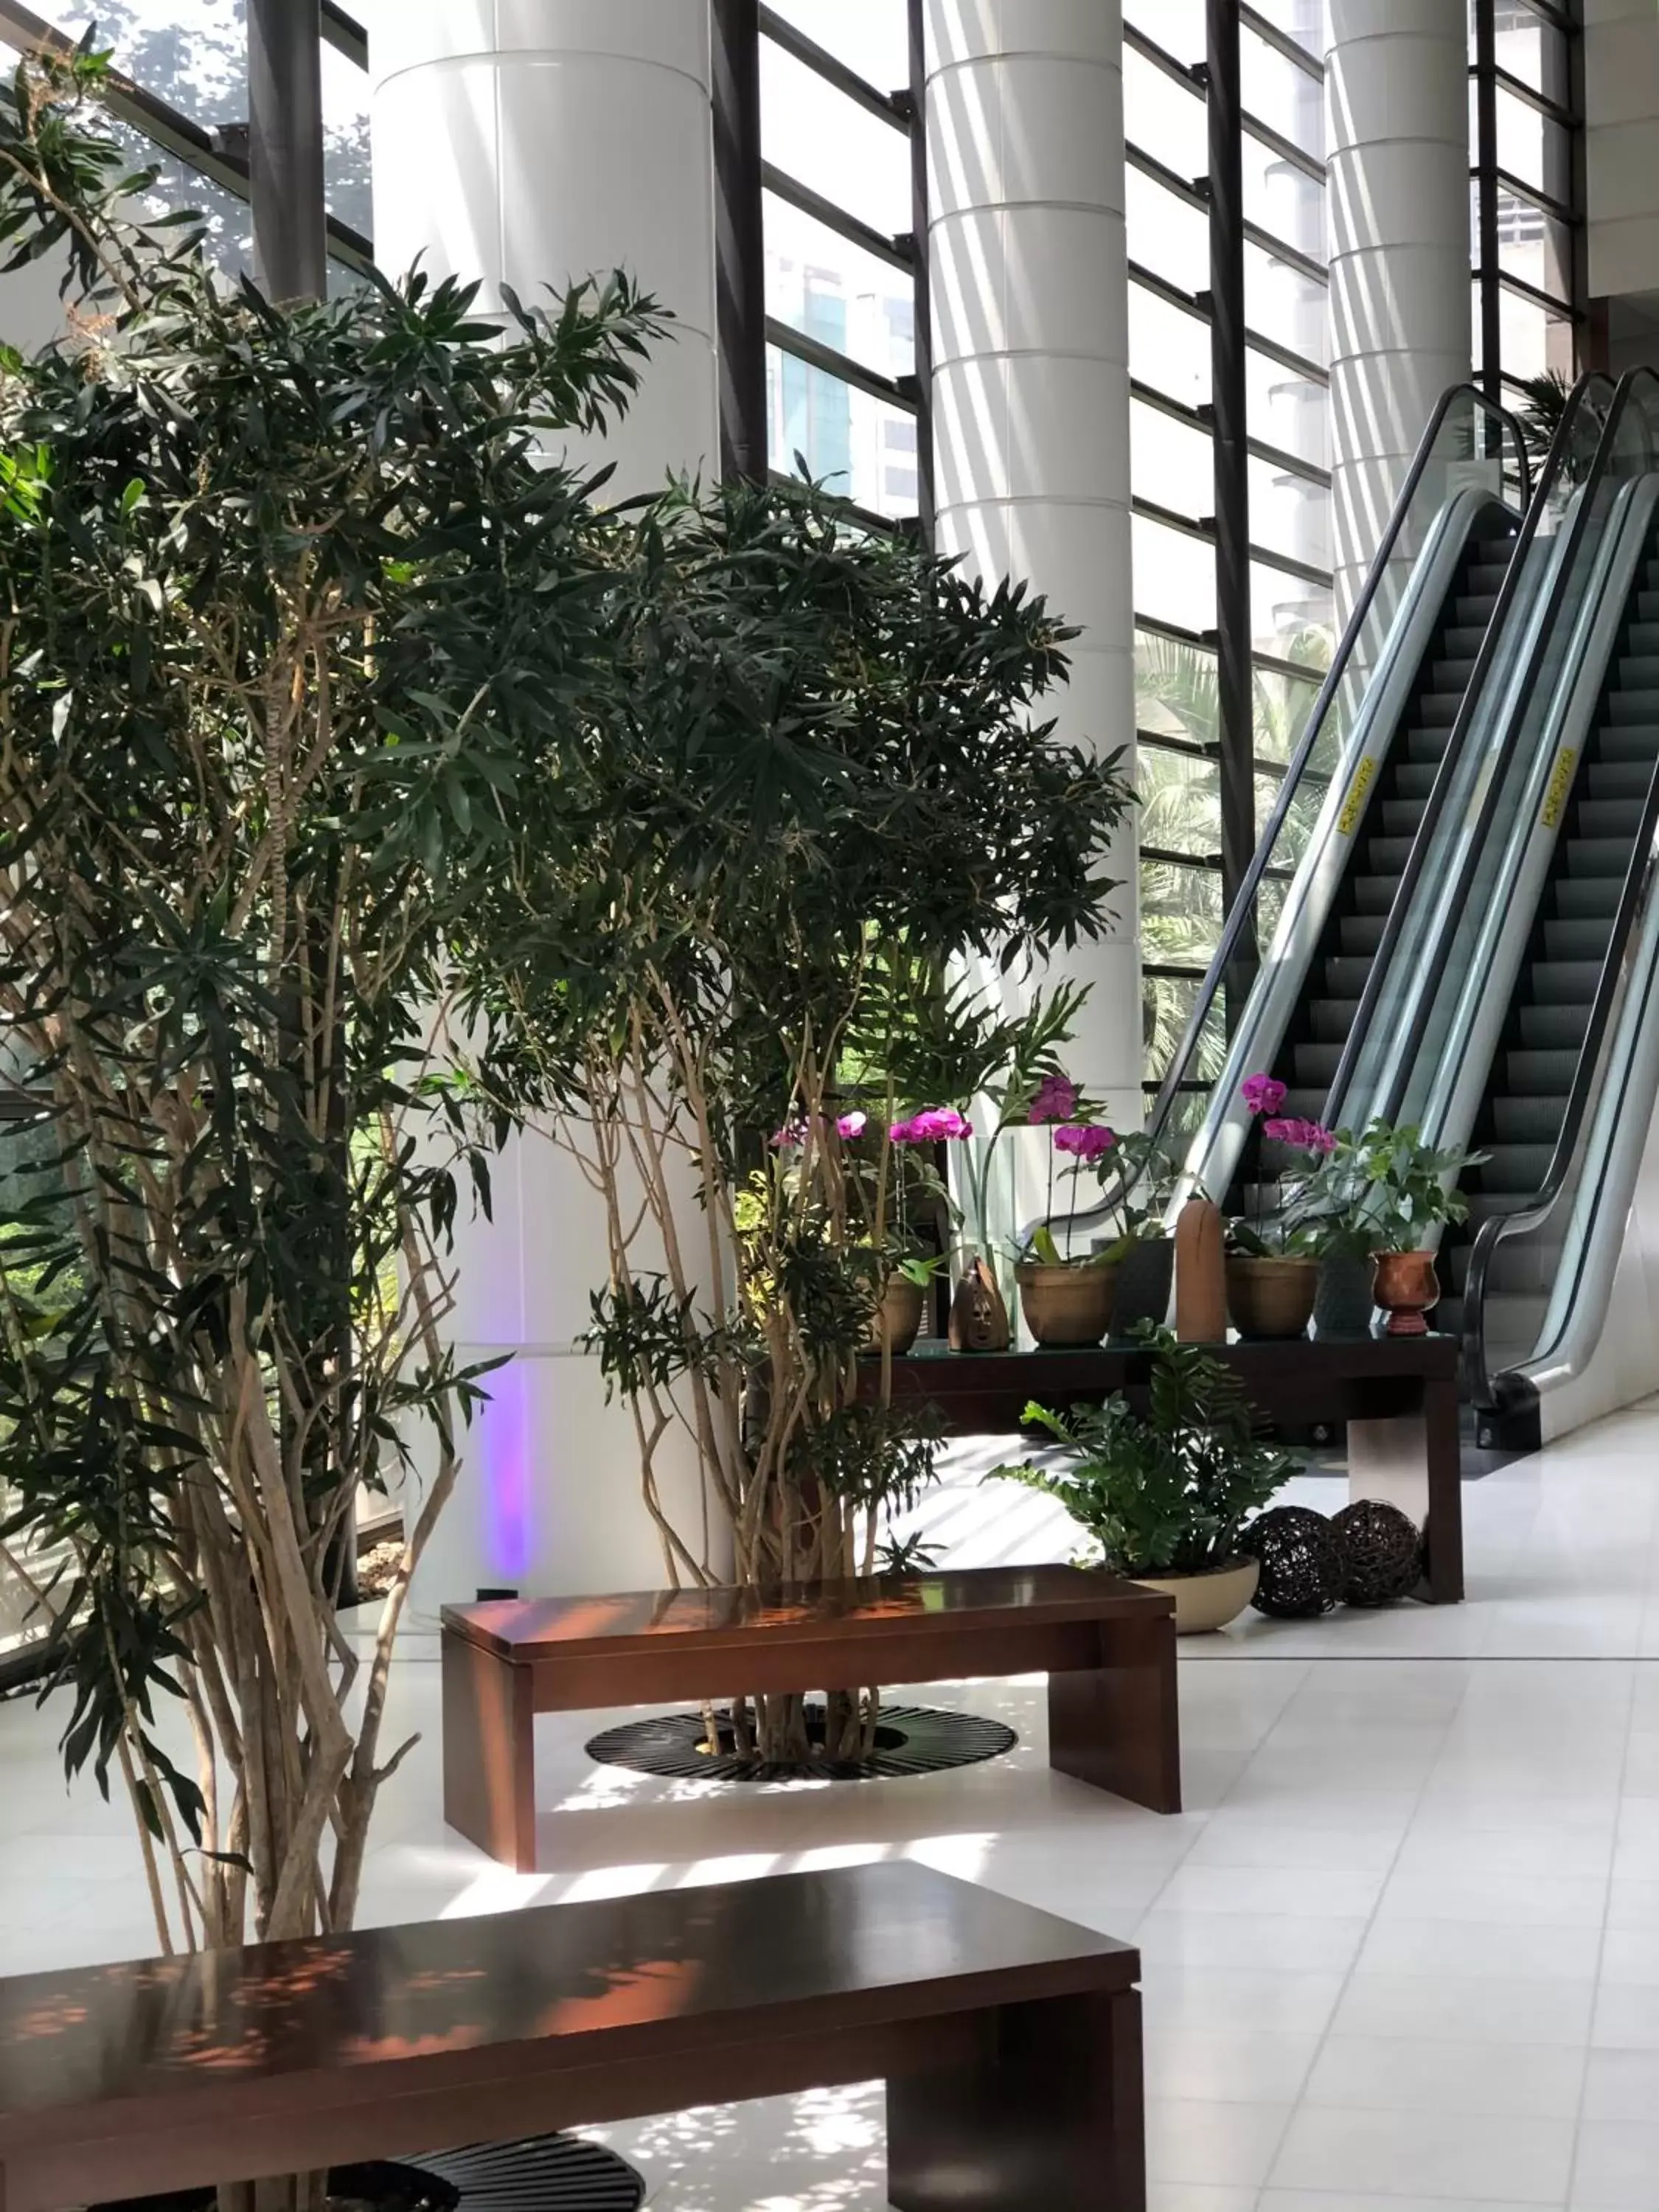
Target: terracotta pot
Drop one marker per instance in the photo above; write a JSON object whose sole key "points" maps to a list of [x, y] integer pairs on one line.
{"points": [[979, 1316], [1346, 1297], [1143, 1278], [1271, 1298], [1406, 1288], [897, 1318], [1208, 1600], [1067, 1306]]}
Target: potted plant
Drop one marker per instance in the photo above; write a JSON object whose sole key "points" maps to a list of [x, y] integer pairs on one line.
{"points": [[1066, 1298], [1138, 1177], [1164, 1494], [1412, 1193], [259, 567], [1273, 1268]]}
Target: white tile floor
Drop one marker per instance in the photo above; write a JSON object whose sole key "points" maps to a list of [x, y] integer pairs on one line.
{"points": [[1401, 1952]]}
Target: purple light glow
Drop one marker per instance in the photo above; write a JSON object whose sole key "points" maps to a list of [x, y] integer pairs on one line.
{"points": [[501, 1440]]}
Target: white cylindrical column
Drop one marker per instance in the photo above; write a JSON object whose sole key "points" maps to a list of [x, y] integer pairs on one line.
{"points": [[531, 142], [1397, 150], [1031, 385]]}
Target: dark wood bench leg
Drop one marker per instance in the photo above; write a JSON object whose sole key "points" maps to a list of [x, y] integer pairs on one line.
{"points": [[1052, 2118], [1118, 1725], [490, 1770], [1414, 1461]]}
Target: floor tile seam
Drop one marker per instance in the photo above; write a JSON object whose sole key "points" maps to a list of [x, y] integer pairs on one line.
{"points": [[1601, 1960]]}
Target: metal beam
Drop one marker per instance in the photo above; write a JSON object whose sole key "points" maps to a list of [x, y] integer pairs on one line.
{"points": [[740, 240], [285, 148], [921, 250]]}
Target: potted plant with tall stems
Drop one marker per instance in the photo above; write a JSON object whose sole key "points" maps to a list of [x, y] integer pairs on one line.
{"points": [[1272, 1265], [1067, 1297], [1162, 1494]]}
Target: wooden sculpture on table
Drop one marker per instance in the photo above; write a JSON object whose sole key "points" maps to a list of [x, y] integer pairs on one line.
{"points": [[1201, 1274], [979, 1319]]}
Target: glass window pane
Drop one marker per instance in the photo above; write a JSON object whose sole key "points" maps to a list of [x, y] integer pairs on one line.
{"points": [[1178, 25], [1287, 410], [822, 285], [1167, 1003], [1535, 51], [191, 53], [1180, 809], [1174, 576], [1164, 118], [1290, 618], [821, 138], [1285, 304], [1284, 199], [1534, 246], [1530, 338], [1530, 146], [1168, 348], [1301, 20], [1165, 235], [1174, 689], [227, 220], [1283, 704], [865, 449], [1289, 516], [871, 36], [346, 185], [1276, 92], [1171, 463]]}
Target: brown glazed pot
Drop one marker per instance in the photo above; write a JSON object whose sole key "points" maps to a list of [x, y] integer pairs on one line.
{"points": [[1407, 1289], [898, 1318], [1067, 1306], [1271, 1298]]}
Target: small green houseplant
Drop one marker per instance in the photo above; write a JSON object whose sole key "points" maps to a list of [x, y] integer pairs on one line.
{"points": [[1164, 1494], [1411, 1192]]}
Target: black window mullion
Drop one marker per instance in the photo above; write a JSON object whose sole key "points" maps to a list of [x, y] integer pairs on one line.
{"points": [[824, 64]]}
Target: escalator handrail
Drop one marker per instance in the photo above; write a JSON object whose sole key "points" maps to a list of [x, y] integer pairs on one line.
{"points": [[1446, 775], [1640, 885], [1439, 953], [1243, 904]]}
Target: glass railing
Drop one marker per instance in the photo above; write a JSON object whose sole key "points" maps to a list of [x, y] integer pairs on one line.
{"points": [[1471, 449]]}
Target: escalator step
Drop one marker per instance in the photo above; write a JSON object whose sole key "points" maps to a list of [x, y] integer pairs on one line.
{"points": [[1577, 940], [1438, 709], [1361, 932], [1314, 1066], [1535, 1120], [1562, 983], [1373, 895], [1647, 605], [1552, 1028], [1401, 818], [1304, 1105], [1597, 856], [1330, 1019], [1627, 707], [1608, 818], [1346, 975], [1521, 1264], [1538, 1073], [1474, 610], [1487, 576], [1583, 898], [1388, 855], [1425, 745], [1634, 670], [1627, 741], [1415, 779], [1618, 779], [1643, 637], [1483, 1204], [1512, 1167], [1463, 640], [1452, 675]]}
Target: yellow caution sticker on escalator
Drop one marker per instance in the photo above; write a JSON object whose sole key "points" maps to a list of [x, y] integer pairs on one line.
{"points": [[1560, 782], [1354, 805]]}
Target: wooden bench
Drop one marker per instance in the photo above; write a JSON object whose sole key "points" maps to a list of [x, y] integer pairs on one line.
{"points": [[1010, 2041], [1107, 1646]]}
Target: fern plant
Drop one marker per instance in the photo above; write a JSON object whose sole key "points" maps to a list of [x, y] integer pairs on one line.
{"points": [[1166, 1492]]}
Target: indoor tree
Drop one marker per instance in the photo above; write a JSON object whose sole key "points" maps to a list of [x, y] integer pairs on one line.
{"points": [[818, 779], [291, 604]]}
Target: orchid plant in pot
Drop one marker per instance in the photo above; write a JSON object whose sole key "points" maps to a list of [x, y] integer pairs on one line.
{"points": [[1066, 1297], [1273, 1262], [1137, 1177]]}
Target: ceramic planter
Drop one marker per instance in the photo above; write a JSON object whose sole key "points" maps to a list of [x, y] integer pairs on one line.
{"points": [[1144, 1277], [1208, 1600], [1067, 1306], [1346, 1297], [898, 1318], [1407, 1289], [1271, 1298]]}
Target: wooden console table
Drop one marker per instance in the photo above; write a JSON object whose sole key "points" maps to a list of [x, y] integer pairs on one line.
{"points": [[1397, 1394], [1010, 2040]]}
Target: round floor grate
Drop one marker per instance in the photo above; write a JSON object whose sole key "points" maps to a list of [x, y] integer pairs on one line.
{"points": [[909, 1739], [542, 2173]]}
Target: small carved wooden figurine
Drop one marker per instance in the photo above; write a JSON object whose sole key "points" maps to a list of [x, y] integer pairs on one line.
{"points": [[979, 1319], [1201, 1274]]}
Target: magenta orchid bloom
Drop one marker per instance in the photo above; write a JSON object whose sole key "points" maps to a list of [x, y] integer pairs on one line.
{"points": [[1056, 1100], [791, 1133], [852, 1125], [1262, 1094], [933, 1124], [1087, 1141], [1305, 1136]]}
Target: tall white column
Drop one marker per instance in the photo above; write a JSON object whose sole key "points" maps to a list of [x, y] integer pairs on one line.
{"points": [[1397, 152], [1031, 385], [531, 142]]}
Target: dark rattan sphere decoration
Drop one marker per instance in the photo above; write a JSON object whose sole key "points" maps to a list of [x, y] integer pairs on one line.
{"points": [[1385, 1553], [1303, 1562]]}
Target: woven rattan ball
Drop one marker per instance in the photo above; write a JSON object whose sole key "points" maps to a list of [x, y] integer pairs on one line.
{"points": [[1303, 1562], [1385, 1553]]}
